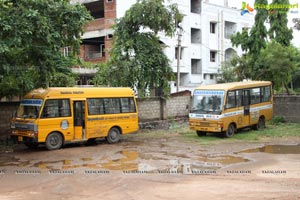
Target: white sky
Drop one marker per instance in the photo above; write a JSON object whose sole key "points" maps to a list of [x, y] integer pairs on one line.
{"points": [[238, 4]]}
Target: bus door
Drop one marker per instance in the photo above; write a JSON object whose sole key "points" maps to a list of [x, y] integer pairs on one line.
{"points": [[246, 103], [79, 119]]}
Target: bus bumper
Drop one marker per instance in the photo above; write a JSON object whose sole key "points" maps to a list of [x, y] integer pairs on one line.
{"points": [[28, 137], [206, 126]]}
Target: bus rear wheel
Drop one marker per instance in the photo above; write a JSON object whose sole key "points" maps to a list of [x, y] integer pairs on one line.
{"points": [[230, 131], [261, 124], [201, 133], [54, 141], [113, 135]]}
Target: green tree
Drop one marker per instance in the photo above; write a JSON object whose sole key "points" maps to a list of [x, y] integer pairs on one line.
{"points": [[278, 24], [228, 72], [273, 61], [32, 33], [136, 58], [252, 42], [278, 63]]}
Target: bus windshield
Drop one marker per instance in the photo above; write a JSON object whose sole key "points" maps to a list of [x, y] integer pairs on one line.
{"points": [[208, 101], [29, 108]]}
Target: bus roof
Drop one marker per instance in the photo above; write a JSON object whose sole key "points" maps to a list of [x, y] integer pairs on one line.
{"points": [[80, 92], [234, 85]]}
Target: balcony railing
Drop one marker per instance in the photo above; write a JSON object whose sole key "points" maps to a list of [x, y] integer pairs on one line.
{"points": [[93, 55]]}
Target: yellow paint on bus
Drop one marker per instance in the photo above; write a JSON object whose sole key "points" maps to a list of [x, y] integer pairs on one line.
{"points": [[56, 116], [225, 108]]}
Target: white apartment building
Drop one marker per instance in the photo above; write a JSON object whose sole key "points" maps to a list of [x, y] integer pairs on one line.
{"points": [[205, 40]]}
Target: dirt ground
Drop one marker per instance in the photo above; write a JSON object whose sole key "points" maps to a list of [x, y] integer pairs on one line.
{"points": [[154, 166]]}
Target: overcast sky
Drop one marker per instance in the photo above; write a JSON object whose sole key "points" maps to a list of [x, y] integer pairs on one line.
{"points": [[295, 13]]}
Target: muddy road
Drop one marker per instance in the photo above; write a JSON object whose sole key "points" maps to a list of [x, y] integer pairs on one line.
{"points": [[154, 166]]}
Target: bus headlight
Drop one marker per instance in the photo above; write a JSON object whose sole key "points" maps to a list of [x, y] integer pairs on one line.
{"points": [[221, 125], [35, 130]]}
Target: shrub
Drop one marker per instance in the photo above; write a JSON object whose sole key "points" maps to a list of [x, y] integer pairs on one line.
{"points": [[277, 120]]}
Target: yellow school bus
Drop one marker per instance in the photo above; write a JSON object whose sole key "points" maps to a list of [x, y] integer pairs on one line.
{"points": [[225, 108], [56, 116]]}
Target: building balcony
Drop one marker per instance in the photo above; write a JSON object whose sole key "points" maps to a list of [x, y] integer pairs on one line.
{"points": [[97, 24]]}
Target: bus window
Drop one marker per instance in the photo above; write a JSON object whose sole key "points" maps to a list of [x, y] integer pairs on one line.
{"points": [[255, 95], [56, 108], [239, 98], [208, 102], [127, 105], [230, 101], [112, 106], [95, 106], [266, 94]]}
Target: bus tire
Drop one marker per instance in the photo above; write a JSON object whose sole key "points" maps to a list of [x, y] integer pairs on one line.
{"points": [[230, 131], [54, 141], [201, 133], [261, 124], [113, 135]]}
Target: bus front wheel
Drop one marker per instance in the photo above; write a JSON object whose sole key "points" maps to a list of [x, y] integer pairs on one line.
{"points": [[113, 135], [230, 131], [54, 141]]}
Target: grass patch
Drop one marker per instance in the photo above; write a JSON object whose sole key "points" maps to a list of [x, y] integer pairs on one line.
{"points": [[191, 136], [279, 130], [182, 131]]}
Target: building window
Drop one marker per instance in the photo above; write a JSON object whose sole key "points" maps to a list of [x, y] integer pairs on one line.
{"points": [[67, 51], [96, 9], [213, 56], [195, 36], [196, 6], [94, 51], [213, 27], [196, 66]]}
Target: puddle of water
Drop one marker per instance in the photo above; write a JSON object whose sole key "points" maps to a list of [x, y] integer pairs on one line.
{"points": [[223, 160], [125, 163], [275, 149], [13, 161], [177, 155], [67, 162], [90, 166], [86, 159], [152, 156], [51, 165]]}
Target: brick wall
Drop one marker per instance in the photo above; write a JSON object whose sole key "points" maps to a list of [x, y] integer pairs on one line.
{"points": [[287, 106], [6, 111], [178, 106], [157, 108], [149, 108]]}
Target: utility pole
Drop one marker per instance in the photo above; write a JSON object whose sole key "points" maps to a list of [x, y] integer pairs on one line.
{"points": [[178, 56]]}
